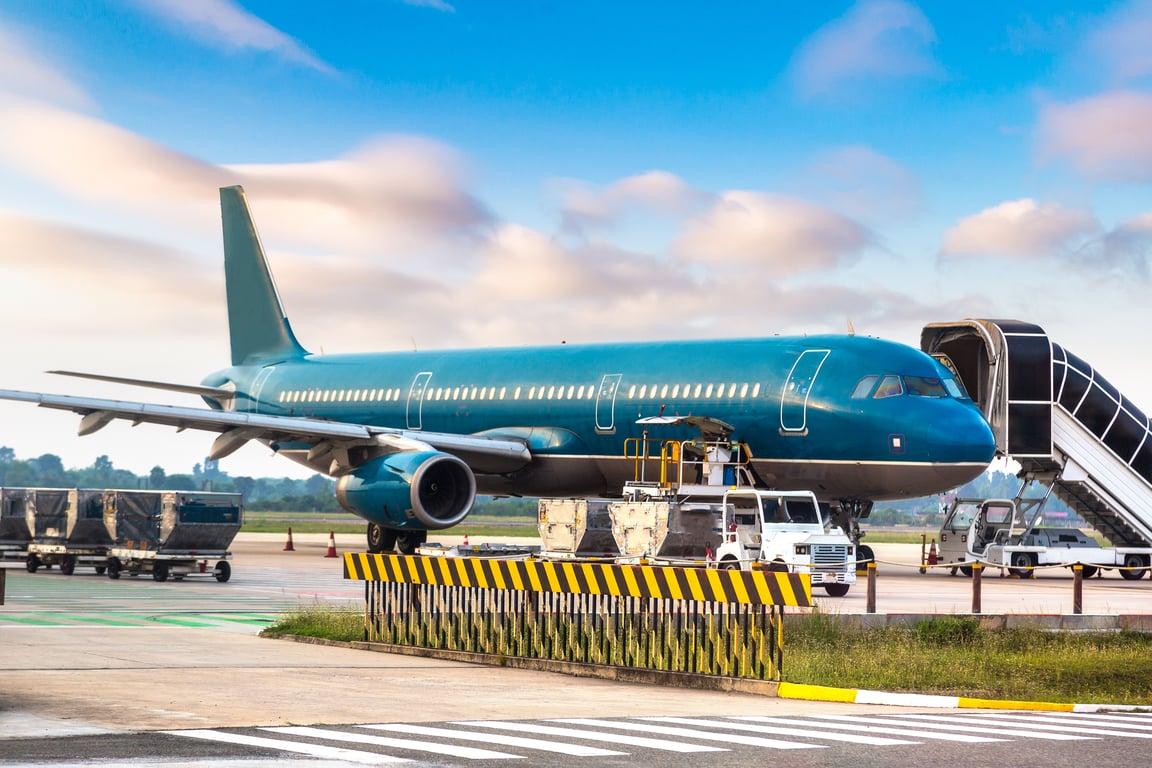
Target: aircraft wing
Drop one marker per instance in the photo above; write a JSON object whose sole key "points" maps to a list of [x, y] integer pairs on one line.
{"points": [[327, 438]]}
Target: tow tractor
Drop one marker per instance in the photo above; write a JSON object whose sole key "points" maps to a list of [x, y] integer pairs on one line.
{"points": [[705, 510], [1006, 533]]}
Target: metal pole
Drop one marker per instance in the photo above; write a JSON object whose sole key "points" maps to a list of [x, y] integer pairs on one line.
{"points": [[977, 570], [1078, 588], [923, 552], [3, 584], [871, 587]]}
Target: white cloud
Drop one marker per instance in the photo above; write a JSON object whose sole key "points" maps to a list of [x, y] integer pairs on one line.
{"points": [[1104, 136], [225, 24], [585, 206], [1126, 249], [436, 5], [393, 195], [24, 70], [1121, 41], [789, 235], [863, 183], [874, 40], [1024, 228]]}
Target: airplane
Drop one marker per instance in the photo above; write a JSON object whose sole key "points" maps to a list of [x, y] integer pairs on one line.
{"points": [[414, 436]]}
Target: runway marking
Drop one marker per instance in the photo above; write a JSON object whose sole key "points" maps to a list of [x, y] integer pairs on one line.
{"points": [[950, 723], [862, 727], [315, 750], [1058, 728], [1071, 720], [776, 730], [471, 753], [577, 750], [691, 733], [579, 733]]}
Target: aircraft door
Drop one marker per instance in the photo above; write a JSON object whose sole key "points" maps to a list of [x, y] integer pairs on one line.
{"points": [[258, 388], [414, 413], [606, 403], [794, 397]]}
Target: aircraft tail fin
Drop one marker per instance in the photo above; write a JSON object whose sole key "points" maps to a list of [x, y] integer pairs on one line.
{"points": [[257, 325]]}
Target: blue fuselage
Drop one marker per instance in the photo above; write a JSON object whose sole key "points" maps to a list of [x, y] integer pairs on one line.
{"points": [[790, 399]]}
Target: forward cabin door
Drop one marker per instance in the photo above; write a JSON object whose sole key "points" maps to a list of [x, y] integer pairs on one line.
{"points": [[606, 403], [794, 397], [415, 410]]}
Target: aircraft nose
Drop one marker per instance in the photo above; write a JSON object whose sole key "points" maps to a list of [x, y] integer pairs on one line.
{"points": [[963, 436]]}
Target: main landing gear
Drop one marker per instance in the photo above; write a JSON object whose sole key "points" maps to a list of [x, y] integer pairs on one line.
{"points": [[382, 539]]}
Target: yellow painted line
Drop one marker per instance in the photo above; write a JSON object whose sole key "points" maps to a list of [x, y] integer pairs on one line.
{"points": [[590, 577], [1047, 706], [569, 571], [445, 570], [673, 583], [693, 577], [497, 576], [760, 579], [429, 573], [410, 564], [816, 693], [649, 574], [461, 568], [633, 588], [553, 579], [734, 577], [610, 579], [478, 572], [787, 594], [516, 571], [716, 585]]}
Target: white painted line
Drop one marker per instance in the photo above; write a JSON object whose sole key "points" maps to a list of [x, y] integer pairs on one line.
{"points": [[907, 699], [580, 733], [919, 733], [315, 750], [1071, 720], [691, 733], [776, 730], [989, 720], [949, 723], [471, 753], [577, 750], [1133, 709]]}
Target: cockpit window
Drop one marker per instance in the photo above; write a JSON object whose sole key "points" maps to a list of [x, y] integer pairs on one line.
{"points": [[889, 387], [925, 386], [956, 389], [864, 387]]}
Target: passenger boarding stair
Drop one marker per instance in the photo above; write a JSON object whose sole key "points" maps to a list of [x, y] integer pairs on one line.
{"points": [[1062, 421]]}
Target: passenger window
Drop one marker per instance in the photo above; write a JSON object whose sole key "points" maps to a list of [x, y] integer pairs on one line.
{"points": [[503, 391], [696, 392], [571, 390], [675, 391], [631, 391], [720, 390], [743, 391], [532, 393], [516, 393], [643, 391], [707, 390], [864, 387], [925, 386], [889, 387]]}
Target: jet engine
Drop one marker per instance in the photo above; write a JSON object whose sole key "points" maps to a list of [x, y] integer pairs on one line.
{"points": [[426, 490]]}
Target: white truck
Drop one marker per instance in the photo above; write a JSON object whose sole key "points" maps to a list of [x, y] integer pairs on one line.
{"points": [[996, 532], [743, 528]]}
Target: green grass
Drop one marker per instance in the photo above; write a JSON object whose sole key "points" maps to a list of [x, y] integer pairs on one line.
{"points": [[320, 621], [954, 656]]}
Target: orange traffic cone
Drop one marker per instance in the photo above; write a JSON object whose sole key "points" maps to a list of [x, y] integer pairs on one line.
{"points": [[288, 544], [331, 545], [933, 558], [465, 540]]}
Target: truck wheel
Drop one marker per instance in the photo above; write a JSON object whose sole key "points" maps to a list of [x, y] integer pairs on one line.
{"points": [[32, 564], [68, 565], [728, 564], [1022, 565], [1089, 571], [100, 569], [1134, 561], [777, 566], [381, 539], [966, 570], [160, 571], [223, 571], [113, 568], [837, 590]]}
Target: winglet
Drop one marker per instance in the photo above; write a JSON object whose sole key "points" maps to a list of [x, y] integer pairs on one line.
{"points": [[257, 324]]}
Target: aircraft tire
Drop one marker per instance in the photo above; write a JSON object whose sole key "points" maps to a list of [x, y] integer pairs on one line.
{"points": [[837, 590], [381, 538], [408, 541], [864, 555]]}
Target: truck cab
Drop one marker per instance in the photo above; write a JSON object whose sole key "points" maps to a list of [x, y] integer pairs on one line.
{"points": [[784, 531]]}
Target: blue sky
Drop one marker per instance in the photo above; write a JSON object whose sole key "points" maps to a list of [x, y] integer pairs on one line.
{"points": [[491, 173]]}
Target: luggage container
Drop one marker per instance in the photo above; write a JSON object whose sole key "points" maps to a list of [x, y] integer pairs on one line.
{"points": [[171, 533], [15, 523], [576, 528], [69, 530]]}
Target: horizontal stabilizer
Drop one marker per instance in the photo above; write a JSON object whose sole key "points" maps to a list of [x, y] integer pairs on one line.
{"points": [[216, 393]]}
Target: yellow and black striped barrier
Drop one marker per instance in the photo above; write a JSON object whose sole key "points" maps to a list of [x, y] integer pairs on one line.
{"points": [[703, 584], [684, 620]]}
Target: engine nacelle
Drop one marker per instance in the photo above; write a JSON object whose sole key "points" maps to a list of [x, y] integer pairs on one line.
{"points": [[426, 490]]}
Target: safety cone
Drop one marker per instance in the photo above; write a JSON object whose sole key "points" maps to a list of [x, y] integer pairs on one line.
{"points": [[288, 544], [331, 544], [933, 558], [465, 541]]}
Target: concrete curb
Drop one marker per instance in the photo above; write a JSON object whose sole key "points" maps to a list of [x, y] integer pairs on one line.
{"points": [[1065, 622], [859, 696]]}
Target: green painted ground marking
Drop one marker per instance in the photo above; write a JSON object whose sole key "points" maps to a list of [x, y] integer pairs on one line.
{"points": [[28, 620], [121, 621], [240, 620], [179, 622]]}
